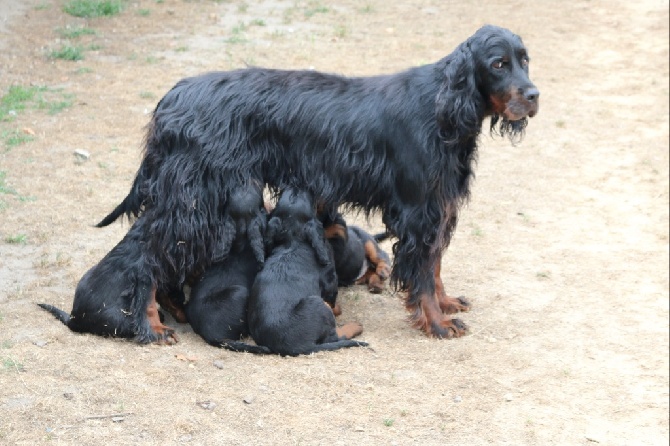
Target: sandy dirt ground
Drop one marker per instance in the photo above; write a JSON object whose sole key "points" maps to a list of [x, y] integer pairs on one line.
{"points": [[563, 249]]}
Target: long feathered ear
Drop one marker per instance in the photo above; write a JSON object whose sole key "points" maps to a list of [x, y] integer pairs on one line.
{"points": [[273, 229], [313, 232], [255, 233], [227, 232], [460, 106]]}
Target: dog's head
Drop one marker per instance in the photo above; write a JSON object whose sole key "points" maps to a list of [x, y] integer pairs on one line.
{"points": [[294, 219], [487, 75], [246, 219]]}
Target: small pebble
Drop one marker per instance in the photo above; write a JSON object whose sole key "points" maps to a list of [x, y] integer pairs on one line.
{"points": [[82, 154], [117, 419], [219, 364], [207, 405], [249, 399], [508, 397], [458, 399]]}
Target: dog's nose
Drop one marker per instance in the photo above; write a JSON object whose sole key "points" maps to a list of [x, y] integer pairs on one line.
{"points": [[532, 94]]}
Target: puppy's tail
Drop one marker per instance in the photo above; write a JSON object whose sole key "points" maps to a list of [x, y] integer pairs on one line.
{"points": [[343, 343], [57, 312], [239, 346], [382, 236]]}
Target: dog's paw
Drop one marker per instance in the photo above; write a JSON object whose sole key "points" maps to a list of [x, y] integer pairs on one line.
{"points": [[167, 337], [375, 284], [447, 329], [451, 305], [383, 270]]}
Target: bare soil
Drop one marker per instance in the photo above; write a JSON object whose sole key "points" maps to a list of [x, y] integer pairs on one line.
{"points": [[563, 249]]}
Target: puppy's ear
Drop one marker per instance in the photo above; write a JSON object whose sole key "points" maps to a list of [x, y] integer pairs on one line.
{"points": [[226, 236], [313, 232], [273, 229], [255, 233]]}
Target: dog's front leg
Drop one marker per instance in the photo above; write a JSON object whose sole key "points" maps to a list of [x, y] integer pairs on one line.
{"points": [[448, 304], [426, 313]]}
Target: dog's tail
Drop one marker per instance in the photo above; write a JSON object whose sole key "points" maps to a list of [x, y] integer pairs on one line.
{"points": [[382, 236], [114, 215], [57, 312], [128, 206], [239, 346], [131, 205], [330, 346]]}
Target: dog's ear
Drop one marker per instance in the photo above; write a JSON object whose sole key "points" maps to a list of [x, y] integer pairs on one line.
{"points": [[460, 106], [226, 235], [273, 229], [255, 233], [313, 232]]}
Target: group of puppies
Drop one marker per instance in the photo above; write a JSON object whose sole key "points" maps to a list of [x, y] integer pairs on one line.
{"points": [[277, 283]]}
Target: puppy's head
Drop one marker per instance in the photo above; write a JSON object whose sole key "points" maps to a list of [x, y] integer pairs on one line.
{"points": [[294, 219], [246, 218], [245, 205]]}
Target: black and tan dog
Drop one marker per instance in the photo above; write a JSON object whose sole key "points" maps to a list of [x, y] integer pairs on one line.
{"points": [[117, 297], [403, 144], [359, 259], [287, 312], [217, 308]]}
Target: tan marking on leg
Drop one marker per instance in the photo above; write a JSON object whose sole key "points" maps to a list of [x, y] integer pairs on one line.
{"points": [[349, 330]]}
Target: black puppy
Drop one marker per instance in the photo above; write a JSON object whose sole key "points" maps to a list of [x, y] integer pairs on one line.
{"points": [[117, 297], [358, 257], [288, 313], [217, 308]]}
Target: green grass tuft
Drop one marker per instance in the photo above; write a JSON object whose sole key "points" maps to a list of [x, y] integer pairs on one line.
{"points": [[4, 189], [67, 52], [18, 239], [18, 98], [11, 365], [15, 101], [73, 33], [93, 8], [13, 138]]}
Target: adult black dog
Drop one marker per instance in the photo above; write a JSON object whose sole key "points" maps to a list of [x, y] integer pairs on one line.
{"points": [[404, 144], [117, 297], [288, 314], [217, 308]]}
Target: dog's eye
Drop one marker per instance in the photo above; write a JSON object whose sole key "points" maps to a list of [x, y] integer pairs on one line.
{"points": [[498, 64], [525, 61]]}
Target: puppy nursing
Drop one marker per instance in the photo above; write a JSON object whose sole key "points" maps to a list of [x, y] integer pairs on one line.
{"points": [[117, 298], [217, 308], [287, 309], [358, 258]]}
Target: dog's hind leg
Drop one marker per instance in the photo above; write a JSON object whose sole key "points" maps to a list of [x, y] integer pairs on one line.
{"points": [[349, 330], [151, 328], [172, 300]]}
